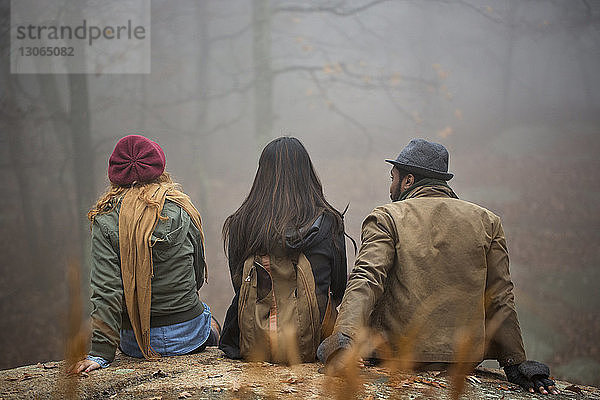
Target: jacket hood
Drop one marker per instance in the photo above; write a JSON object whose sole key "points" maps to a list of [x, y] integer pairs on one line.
{"points": [[306, 236]]}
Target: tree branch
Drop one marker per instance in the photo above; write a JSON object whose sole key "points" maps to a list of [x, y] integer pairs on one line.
{"points": [[230, 36], [363, 129], [335, 10]]}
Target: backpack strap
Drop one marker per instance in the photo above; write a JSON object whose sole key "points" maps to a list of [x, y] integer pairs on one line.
{"points": [[265, 261], [329, 318]]}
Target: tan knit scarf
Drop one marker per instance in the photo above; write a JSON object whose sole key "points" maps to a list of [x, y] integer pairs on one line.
{"points": [[137, 220]]}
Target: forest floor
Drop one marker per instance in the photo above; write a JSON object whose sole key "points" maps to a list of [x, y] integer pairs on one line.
{"points": [[209, 375]]}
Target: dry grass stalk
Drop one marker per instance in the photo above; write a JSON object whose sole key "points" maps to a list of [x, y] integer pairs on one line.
{"points": [[463, 365], [290, 341], [77, 335]]}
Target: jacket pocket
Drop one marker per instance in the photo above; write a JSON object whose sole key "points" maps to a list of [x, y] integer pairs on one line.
{"points": [[166, 240]]}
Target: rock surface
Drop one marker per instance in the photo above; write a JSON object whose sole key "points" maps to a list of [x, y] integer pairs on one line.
{"points": [[209, 375]]}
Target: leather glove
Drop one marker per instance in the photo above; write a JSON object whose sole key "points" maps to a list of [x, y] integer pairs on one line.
{"points": [[532, 376]]}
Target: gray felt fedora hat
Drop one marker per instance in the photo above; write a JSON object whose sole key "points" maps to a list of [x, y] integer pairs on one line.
{"points": [[424, 158]]}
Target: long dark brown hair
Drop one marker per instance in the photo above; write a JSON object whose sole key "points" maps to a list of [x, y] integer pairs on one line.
{"points": [[286, 196]]}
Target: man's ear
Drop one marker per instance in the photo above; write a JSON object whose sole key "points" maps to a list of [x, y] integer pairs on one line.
{"points": [[409, 179]]}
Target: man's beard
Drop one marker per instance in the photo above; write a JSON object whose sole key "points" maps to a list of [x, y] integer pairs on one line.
{"points": [[395, 196]]}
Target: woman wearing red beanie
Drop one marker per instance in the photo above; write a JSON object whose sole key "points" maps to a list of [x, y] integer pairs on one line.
{"points": [[147, 262]]}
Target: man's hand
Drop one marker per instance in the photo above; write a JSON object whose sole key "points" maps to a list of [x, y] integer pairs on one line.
{"points": [[532, 376], [84, 366]]}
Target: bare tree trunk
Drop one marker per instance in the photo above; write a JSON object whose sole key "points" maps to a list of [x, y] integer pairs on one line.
{"points": [[263, 74], [13, 119], [83, 154], [199, 141], [78, 120], [507, 71]]}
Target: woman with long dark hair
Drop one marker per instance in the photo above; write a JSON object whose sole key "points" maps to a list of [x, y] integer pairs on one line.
{"points": [[285, 213]]}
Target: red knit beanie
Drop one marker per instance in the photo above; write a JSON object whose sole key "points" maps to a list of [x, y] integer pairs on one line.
{"points": [[135, 159]]}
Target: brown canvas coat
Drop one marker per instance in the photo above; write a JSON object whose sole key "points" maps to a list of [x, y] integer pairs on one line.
{"points": [[432, 274]]}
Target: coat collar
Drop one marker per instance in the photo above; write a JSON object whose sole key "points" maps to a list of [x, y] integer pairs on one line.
{"points": [[429, 188]]}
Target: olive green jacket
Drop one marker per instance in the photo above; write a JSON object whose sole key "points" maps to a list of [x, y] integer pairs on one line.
{"points": [[432, 276], [178, 258]]}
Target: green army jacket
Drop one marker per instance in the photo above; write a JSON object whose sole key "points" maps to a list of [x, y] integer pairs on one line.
{"points": [[432, 276], [178, 259]]}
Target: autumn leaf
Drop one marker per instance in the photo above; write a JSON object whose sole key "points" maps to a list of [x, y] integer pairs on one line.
{"points": [[291, 380], [574, 388], [26, 376], [159, 374], [430, 382], [184, 395], [417, 117], [442, 74], [447, 131]]}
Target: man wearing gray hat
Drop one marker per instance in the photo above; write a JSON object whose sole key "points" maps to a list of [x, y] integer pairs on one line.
{"points": [[431, 280]]}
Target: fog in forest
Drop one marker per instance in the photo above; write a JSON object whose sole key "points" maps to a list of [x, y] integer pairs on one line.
{"points": [[511, 88]]}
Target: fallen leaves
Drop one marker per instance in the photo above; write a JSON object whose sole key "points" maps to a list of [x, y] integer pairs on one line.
{"points": [[25, 377], [48, 365], [444, 133], [159, 374], [574, 388], [184, 395], [430, 382], [507, 388], [124, 371], [291, 380]]}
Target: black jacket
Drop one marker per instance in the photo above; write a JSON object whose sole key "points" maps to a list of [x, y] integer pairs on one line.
{"points": [[327, 255]]}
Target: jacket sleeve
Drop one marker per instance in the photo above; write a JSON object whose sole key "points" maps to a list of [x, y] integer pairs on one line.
{"points": [[230, 337], [503, 334], [106, 296], [366, 281], [199, 259], [339, 277], [229, 342]]}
